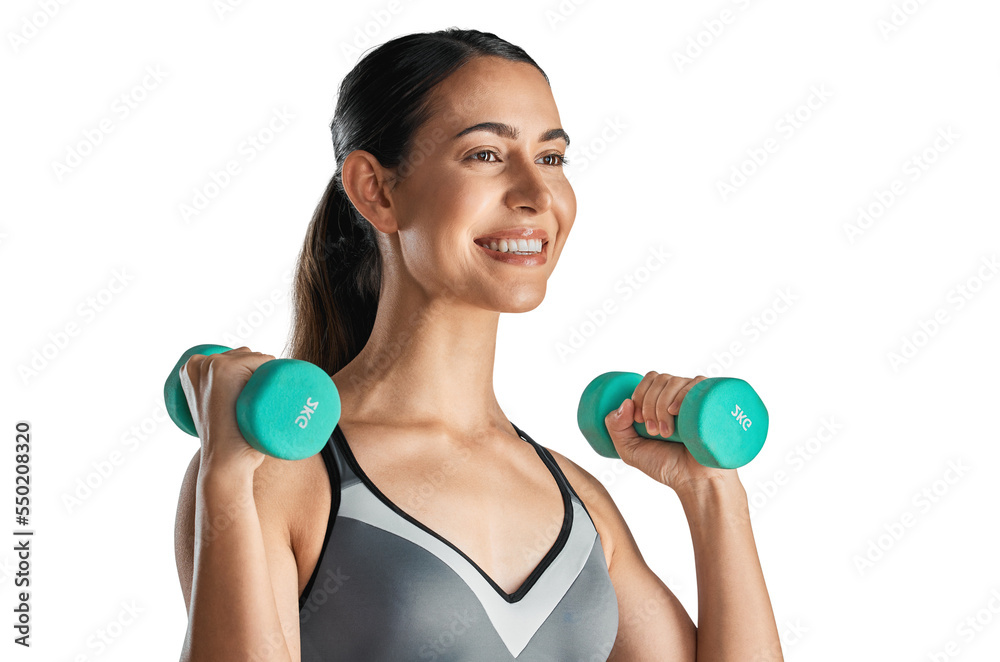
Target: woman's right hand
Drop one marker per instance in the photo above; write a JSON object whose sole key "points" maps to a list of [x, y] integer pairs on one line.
{"points": [[212, 383]]}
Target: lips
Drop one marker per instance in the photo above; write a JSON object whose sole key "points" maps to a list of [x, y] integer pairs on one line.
{"points": [[516, 233]]}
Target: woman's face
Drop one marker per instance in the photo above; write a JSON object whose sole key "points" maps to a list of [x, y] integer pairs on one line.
{"points": [[456, 189]]}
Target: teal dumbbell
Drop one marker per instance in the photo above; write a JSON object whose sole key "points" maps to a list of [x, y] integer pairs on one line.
{"points": [[722, 420], [288, 409]]}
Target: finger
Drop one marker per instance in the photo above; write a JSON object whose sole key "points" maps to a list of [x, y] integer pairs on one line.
{"points": [[193, 364], [621, 425], [639, 394], [649, 401], [190, 379], [675, 406], [191, 368], [667, 397], [248, 358]]}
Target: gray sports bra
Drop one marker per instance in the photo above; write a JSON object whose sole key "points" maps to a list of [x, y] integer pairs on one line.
{"points": [[388, 588]]}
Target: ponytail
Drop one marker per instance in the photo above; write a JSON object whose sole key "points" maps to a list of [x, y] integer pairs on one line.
{"points": [[337, 282]]}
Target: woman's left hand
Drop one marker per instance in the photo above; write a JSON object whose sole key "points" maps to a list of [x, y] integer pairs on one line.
{"points": [[656, 401]]}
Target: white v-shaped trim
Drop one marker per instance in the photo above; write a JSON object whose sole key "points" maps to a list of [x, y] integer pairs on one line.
{"points": [[515, 622]]}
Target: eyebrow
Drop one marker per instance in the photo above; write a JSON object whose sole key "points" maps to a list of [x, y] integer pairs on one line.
{"points": [[507, 131]]}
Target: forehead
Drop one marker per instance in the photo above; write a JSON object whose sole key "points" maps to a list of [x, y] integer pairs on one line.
{"points": [[492, 89]]}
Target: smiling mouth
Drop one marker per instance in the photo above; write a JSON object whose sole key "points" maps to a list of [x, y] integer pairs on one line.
{"points": [[514, 246]]}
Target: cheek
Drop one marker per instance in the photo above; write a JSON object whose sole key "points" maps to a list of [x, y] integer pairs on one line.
{"points": [[564, 206], [438, 236], [452, 200]]}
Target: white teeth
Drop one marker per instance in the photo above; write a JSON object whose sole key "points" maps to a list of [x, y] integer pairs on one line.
{"points": [[514, 245]]}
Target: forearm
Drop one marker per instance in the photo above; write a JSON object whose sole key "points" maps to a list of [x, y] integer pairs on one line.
{"points": [[735, 619], [233, 613]]}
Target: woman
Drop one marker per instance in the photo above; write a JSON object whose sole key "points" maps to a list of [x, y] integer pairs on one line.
{"points": [[430, 527]]}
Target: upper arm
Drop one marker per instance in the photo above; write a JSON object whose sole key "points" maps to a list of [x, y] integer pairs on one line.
{"points": [[269, 490], [652, 623]]}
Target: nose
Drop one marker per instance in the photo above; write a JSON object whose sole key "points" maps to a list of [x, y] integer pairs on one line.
{"points": [[528, 187]]}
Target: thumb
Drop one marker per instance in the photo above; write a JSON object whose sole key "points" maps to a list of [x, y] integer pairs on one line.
{"points": [[619, 424]]}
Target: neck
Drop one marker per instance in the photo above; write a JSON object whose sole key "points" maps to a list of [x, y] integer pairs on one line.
{"points": [[428, 364]]}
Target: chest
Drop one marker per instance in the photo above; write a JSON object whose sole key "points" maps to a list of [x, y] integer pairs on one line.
{"points": [[503, 510]]}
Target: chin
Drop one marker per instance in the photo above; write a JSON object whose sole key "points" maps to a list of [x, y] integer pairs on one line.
{"points": [[521, 301]]}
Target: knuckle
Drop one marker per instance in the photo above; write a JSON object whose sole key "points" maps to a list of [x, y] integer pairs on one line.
{"points": [[191, 364]]}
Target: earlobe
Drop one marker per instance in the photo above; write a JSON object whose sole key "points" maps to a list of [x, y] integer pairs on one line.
{"points": [[367, 185]]}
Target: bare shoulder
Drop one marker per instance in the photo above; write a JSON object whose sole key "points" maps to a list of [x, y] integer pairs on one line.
{"points": [[607, 518]]}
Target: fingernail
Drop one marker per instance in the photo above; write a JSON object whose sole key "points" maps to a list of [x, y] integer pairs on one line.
{"points": [[621, 408]]}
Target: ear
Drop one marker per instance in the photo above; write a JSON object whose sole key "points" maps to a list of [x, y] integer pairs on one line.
{"points": [[368, 185]]}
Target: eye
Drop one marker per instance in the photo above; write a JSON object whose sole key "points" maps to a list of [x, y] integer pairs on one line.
{"points": [[485, 151], [562, 159]]}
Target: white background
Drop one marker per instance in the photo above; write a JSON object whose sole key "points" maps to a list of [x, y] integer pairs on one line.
{"points": [[652, 139]]}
